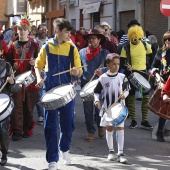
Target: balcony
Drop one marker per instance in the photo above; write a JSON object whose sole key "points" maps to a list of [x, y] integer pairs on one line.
{"points": [[72, 2]]}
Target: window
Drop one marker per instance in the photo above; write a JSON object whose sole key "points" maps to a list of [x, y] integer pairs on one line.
{"points": [[73, 22]]}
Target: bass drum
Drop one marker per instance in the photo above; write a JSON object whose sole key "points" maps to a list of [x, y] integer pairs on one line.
{"points": [[157, 105]]}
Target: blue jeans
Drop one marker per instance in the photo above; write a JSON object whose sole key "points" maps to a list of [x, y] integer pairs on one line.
{"points": [[89, 114], [40, 110]]}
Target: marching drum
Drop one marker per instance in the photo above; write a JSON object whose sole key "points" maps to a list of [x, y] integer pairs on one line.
{"points": [[116, 114], [57, 97], [26, 78], [139, 81], [87, 92], [6, 106], [157, 105]]}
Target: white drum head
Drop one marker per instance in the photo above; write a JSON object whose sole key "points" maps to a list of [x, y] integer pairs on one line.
{"points": [[114, 112], [20, 78], [89, 89], [56, 93], [4, 101], [142, 80]]}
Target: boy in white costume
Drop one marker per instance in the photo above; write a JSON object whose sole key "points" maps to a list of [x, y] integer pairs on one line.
{"points": [[113, 85]]}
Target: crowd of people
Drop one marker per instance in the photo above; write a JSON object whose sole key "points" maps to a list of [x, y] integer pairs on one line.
{"points": [[29, 55]]}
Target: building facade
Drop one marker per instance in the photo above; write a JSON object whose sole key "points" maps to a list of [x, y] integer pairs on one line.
{"points": [[89, 13], [3, 18]]}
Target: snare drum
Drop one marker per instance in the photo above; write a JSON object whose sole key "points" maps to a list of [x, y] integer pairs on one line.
{"points": [[139, 81], [116, 114], [57, 97], [6, 106], [26, 78], [87, 92]]}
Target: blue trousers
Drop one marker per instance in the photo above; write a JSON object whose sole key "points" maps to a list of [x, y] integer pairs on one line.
{"points": [[51, 125]]}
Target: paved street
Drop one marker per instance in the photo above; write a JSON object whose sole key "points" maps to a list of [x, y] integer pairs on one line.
{"points": [[142, 151]]}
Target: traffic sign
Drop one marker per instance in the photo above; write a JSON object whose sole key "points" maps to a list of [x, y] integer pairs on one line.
{"points": [[165, 7]]}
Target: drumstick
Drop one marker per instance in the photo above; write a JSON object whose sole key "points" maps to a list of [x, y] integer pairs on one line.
{"points": [[7, 81], [68, 71], [92, 77]]}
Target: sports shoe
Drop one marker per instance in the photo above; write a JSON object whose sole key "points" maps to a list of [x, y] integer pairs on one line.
{"points": [[66, 158], [52, 166], [146, 125], [112, 156], [3, 160], [160, 136], [40, 121], [121, 158], [133, 124]]}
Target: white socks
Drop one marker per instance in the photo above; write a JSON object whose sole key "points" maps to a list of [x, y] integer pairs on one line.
{"points": [[109, 139], [120, 140]]}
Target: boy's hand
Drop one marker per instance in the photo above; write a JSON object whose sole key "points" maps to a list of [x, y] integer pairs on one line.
{"points": [[10, 80], [98, 72], [166, 98], [97, 104], [122, 96]]}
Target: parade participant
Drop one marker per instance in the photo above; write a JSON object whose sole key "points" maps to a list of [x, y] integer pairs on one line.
{"points": [[112, 84], [162, 63], [41, 39], [80, 42], [133, 57], [23, 53], [93, 56], [58, 55], [5, 75]]}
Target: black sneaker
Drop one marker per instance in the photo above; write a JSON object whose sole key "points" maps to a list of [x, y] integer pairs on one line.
{"points": [[133, 124], [3, 160], [16, 136], [160, 136], [146, 125]]}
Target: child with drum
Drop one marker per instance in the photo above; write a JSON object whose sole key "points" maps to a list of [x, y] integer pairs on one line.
{"points": [[114, 86], [5, 76]]}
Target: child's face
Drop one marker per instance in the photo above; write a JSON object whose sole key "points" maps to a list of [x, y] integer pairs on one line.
{"points": [[114, 65]]}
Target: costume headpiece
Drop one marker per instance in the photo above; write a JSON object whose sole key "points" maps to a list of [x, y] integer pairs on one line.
{"points": [[111, 56], [135, 32], [24, 23]]}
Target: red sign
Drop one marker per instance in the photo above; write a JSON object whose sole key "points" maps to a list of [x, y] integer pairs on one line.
{"points": [[165, 7]]}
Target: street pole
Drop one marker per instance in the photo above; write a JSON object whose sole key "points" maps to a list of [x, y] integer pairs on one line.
{"points": [[67, 9]]}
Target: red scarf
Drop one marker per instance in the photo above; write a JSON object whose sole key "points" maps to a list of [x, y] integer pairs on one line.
{"points": [[92, 52]]}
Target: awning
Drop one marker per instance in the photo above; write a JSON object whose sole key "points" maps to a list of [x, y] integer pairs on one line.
{"points": [[90, 8]]}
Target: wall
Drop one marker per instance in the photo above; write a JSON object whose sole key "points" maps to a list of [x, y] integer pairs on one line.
{"points": [[3, 7]]}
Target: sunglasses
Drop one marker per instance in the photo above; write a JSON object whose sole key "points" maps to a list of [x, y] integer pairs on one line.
{"points": [[167, 39], [135, 40], [106, 30], [41, 29]]}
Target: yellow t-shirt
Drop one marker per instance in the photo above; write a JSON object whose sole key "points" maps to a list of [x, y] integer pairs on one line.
{"points": [[138, 55]]}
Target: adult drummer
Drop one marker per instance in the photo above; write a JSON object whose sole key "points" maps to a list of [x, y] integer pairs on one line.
{"points": [[162, 63], [23, 53], [93, 56], [58, 55], [133, 57]]}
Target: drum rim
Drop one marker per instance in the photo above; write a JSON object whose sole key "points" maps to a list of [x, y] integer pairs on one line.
{"points": [[54, 88], [8, 103]]}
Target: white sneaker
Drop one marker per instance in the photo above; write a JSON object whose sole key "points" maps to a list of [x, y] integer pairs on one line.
{"points": [[112, 156], [52, 166], [40, 120], [66, 158]]}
